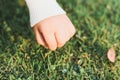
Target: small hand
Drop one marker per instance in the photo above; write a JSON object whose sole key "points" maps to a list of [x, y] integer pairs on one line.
{"points": [[54, 32]]}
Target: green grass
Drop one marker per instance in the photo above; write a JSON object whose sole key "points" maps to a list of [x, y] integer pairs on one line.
{"points": [[82, 58]]}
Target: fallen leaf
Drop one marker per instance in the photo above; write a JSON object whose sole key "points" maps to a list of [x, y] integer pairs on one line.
{"points": [[111, 54]]}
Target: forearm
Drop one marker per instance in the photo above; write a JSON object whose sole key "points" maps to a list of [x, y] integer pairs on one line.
{"points": [[42, 9]]}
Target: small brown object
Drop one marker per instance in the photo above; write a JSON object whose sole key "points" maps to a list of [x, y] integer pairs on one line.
{"points": [[111, 54]]}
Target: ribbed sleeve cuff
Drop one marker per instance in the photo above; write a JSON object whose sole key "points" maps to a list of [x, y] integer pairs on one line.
{"points": [[42, 9]]}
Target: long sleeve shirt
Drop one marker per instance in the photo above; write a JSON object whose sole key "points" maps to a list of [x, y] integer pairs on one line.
{"points": [[42, 9]]}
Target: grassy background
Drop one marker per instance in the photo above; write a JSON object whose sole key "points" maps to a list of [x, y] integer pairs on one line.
{"points": [[82, 58]]}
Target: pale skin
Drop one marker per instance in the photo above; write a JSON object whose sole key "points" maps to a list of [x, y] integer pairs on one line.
{"points": [[54, 31]]}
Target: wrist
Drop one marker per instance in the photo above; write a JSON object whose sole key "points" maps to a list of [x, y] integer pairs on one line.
{"points": [[42, 9]]}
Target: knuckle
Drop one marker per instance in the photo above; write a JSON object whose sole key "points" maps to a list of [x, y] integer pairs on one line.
{"points": [[53, 47], [39, 42], [73, 32], [60, 44]]}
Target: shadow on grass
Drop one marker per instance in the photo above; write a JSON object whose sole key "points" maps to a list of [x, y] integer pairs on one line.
{"points": [[14, 24]]}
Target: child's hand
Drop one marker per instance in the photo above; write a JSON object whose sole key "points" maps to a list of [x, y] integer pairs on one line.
{"points": [[54, 32]]}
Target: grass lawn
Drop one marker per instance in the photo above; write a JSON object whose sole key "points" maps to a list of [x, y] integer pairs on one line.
{"points": [[84, 57]]}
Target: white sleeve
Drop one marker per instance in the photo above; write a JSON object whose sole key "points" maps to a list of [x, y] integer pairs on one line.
{"points": [[42, 9]]}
